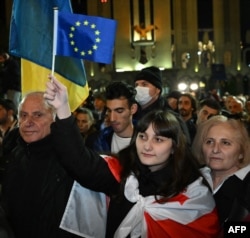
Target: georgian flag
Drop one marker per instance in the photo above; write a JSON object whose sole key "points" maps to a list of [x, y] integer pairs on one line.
{"points": [[192, 213]]}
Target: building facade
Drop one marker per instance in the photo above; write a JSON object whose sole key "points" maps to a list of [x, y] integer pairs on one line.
{"points": [[193, 41]]}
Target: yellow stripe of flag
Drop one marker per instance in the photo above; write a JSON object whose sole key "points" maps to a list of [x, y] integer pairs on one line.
{"points": [[34, 78]]}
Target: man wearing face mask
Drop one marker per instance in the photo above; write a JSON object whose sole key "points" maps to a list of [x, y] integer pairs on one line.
{"points": [[148, 84]]}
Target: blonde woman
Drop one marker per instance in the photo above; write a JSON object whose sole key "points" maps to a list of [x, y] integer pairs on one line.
{"points": [[223, 145]]}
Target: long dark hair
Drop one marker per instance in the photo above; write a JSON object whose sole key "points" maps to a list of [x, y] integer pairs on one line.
{"points": [[183, 167]]}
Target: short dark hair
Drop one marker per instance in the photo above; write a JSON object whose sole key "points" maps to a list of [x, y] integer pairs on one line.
{"points": [[120, 89], [210, 103], [100, 95], [4, 55], [8, 105]]}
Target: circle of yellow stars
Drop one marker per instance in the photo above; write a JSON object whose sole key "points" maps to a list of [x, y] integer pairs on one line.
{"points": [[92, 48]]}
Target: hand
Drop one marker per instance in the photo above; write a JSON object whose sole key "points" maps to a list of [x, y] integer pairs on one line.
{"points": [[57, 96]]}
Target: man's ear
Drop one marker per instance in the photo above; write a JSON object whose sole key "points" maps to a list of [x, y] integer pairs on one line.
{"points": [[10, 112], [134, 108], [158, 91]]}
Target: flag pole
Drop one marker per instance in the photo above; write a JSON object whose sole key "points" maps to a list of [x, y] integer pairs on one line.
{"points": [[55, 26]]}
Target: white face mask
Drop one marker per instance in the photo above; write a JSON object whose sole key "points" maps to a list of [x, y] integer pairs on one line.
{"points": [[142, 95]]}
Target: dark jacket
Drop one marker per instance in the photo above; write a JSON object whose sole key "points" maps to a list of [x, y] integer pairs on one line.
{"points": [[92, 166], [100, 140], [9, 143], [241, 206], [191, 126], [226, 195], [160, 103], [35, 191]]}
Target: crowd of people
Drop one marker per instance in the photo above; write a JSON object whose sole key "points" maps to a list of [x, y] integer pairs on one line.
{"points": [[130, 163]]}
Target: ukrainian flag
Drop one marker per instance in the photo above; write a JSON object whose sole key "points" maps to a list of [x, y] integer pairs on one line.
{"points": [[31, 39]]}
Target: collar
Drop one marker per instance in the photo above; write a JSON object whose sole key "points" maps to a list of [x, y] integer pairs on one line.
{"points": [[39, 146], [241, 173]]}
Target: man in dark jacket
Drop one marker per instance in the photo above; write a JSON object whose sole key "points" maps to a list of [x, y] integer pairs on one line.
{"points": [[148, 84], [35, 187]]}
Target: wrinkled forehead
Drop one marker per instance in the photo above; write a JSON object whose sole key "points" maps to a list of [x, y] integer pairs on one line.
{"points": [[34, 103]]}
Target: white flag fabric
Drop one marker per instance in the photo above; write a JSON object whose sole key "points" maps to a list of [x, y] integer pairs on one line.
{"points": [[86, 213]]}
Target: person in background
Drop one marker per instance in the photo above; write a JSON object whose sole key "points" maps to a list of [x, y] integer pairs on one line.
{"points": [[207, 108], [187, 106], [35, 186], [148, 85], [172, 100], [121, 106], [8, 116], [10, 76], [236, 108], [154, 185], [86, 122], [99, 109], [233, 108], [223, 145], [213, 94], [8, 121], [89, 102]]}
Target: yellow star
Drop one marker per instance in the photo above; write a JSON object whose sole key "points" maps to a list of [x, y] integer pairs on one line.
{"points": [[93, 26], [85, 23], [72, 42], [72, 28], [98, 40], [97, 33], [71, 35], [95, 47], [82, 53], [78, 23], [90, 52], [76, 49]]}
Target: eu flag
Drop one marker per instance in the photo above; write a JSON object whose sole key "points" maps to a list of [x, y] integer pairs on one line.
{"points": [[31, 39], [86, 37]]}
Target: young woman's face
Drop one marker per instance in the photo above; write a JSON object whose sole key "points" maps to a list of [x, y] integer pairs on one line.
{"points": [[153, 150], [221, 150]]}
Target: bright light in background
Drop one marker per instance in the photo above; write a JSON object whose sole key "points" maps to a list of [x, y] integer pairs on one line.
{"points": [[139, 67], [182, 86], [202, 85], [120, 70], [124, 69], [194, 86]]}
